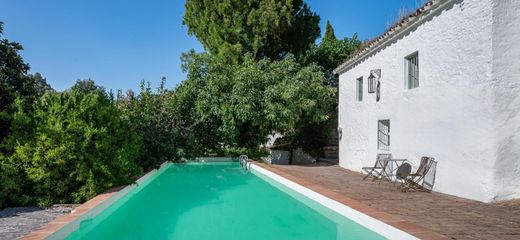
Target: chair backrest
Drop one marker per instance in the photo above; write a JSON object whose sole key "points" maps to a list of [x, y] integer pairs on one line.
{"points": [[429, 176], [382, 156], [423, 167], [403, 171], [380, 160]]}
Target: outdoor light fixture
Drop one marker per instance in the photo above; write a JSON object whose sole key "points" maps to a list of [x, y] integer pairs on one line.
{"points": [[373, 79]]}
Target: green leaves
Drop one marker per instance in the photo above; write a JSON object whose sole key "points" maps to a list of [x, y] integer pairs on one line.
{"points": [[249, 85], [265, 28], [15, 83], [330, 53], [70, 146], [248, 101], [262, 74], [158, 117]]}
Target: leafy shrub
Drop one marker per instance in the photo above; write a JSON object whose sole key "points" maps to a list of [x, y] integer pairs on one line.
{"points": [[246, 102], [72, 146], [155, 117], [10, 182]]}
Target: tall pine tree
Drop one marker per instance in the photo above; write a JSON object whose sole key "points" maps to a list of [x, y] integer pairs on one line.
{"points": [[265, 28], [329, 36]]}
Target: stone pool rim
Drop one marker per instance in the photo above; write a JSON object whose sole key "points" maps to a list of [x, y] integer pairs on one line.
{"points": [[387, 225]]}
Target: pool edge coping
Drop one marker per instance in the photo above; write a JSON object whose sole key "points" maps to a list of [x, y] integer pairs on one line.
{"points": [[82, 210], [394, 221]]}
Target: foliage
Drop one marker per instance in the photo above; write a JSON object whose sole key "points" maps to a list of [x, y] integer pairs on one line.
{"points": [[11, 182], [70, 147], [262, 74], [265, 28], [248, 101], [331, 52], [328, 54], [329, 36], [154, 116], [241, 102], [15, 83], [40, 84]]}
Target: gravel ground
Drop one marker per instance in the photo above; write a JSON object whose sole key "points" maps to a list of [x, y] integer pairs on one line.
{"points": [[18, 221]]}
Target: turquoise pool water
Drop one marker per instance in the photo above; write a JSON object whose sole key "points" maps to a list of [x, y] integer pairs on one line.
{"points": [[216, 201]]}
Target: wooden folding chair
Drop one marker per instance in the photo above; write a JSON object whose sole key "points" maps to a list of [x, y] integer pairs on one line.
{"points": [[415, 181]]}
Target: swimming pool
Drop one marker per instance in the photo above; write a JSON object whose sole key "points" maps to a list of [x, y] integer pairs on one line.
{"points": [[215, 201]]}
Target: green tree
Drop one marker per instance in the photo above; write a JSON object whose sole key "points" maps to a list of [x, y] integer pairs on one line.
{"points": [[329, 36], [246, 102], [331, 52], [265, 28], [14, 83], [40, 84], [164, 134], [88, 86], [11, 181], [70, 147], [200, 130]]}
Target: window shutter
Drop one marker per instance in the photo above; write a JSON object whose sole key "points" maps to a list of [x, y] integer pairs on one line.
{"points": [[416, 71]]}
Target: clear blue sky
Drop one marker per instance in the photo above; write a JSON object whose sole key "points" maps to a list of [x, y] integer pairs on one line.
{"points": [[119, 42]]}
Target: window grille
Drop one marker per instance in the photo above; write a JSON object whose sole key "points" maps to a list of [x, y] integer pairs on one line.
{"points": [[412, 71], [383, 135]]}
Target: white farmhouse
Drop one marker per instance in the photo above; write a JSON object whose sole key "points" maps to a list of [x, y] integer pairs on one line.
{"points": [[449, 88]]}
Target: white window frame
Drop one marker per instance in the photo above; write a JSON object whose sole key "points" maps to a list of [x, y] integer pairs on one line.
{"points": [[383, 134], [411, 70]]}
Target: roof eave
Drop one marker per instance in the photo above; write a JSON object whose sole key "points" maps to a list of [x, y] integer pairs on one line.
{"points": [[407, 23]]}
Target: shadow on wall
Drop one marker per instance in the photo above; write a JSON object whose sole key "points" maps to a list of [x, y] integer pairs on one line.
{"points": [[282, 157]]}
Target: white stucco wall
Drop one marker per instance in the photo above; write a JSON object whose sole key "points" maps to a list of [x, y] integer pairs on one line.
{"points": [[506, 84], [459, 114]]}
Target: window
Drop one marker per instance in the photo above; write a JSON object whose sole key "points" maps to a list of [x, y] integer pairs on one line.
{"points": [[412, 71], [383, 135], [359, 88]]}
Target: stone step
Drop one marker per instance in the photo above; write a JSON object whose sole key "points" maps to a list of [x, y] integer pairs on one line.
{"points": [[331, 148], [329, 160], [331, 152], [333, 138]]}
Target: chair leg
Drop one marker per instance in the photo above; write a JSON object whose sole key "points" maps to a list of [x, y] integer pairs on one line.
{"points": [[369, 173], [366, 176], [411, 184], [376, 177], [385, 175]]}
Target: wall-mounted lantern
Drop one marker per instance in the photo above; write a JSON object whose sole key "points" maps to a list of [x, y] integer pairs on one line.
{"points": [[373, 79]]}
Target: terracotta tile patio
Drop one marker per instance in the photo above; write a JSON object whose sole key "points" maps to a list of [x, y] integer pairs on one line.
{"points": [[454, 217]]}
